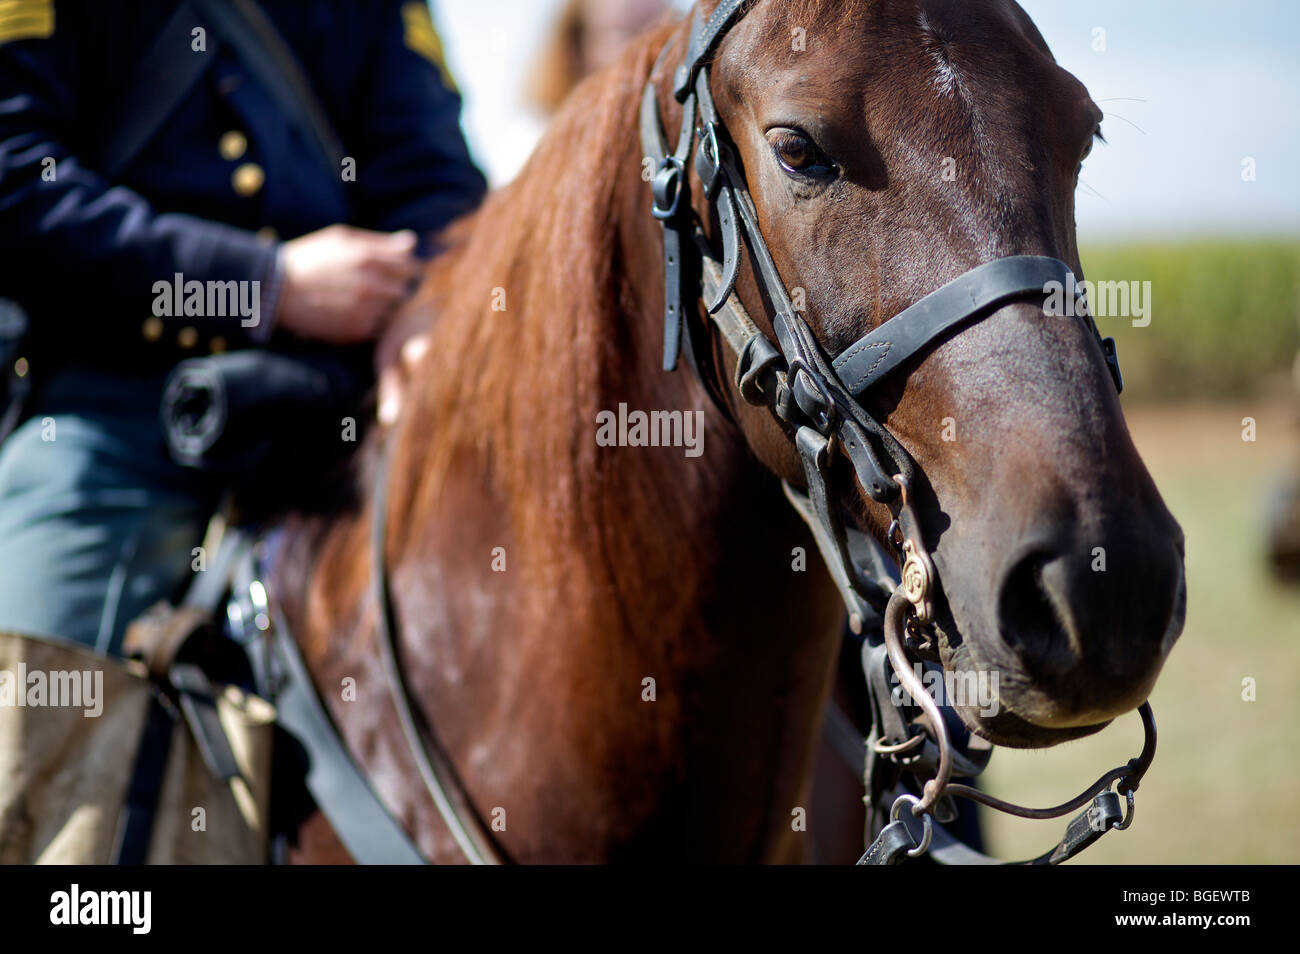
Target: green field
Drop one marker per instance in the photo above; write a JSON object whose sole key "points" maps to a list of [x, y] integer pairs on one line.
{"points": [[1224, 315]]}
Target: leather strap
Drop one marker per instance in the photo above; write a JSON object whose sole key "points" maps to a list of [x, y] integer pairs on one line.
{"points": [[162, 79], [339, 788], [1102, 815], [890, 847], [435, 766], [864, 596], [136, 821], [370, 834], [961, 301], [705, 38]]}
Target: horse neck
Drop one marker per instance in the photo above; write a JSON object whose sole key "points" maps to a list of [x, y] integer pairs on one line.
{"points": [[617, 563]]}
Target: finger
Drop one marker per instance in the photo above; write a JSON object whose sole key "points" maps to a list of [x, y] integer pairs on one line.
{"points": [[384, 290], [390, 397], [392, 245], [403, 241], [406, 269], [413, 350]]}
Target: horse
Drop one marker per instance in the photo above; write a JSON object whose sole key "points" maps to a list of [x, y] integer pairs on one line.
{"points": [[622, 649]]}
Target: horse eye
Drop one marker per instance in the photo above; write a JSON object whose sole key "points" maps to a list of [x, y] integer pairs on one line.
{"points": [[798, 154], [1092, 141]]}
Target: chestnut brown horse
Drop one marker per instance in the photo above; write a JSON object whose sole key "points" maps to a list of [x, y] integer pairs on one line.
{"points": [[619, 646]]}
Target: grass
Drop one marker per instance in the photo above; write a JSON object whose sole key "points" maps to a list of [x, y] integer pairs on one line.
{"points": [[1224, 785]]}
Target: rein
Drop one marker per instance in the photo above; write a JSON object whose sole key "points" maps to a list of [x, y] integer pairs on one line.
{"points": [[816, 401], [436, 770]]}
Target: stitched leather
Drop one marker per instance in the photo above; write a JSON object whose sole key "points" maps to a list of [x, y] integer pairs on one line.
{"points": [[964, 299]]}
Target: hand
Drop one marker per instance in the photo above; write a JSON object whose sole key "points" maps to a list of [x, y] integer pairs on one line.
{"points": [[341, 284], [399, 350]]}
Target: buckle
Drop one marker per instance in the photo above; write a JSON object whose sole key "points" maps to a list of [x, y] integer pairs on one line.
{"points": [[668, 188], [812, 395], [708, 160]]}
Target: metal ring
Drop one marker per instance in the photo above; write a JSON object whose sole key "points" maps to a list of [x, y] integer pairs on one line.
{"points": [[915, 802]]}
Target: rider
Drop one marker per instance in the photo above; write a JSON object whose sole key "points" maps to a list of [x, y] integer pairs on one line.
{"points": [[227, 189]]}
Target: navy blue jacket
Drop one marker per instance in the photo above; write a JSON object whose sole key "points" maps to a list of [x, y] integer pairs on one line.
{"points": [[223, 181]]}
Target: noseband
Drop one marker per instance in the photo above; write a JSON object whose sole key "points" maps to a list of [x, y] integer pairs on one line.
{"points": [[816, 399]]}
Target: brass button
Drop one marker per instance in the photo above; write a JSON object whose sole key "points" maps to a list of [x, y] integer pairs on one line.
{"points": [[21, 367], [232, 145], [217, 345], [187, 338], [267, 234], [152, 329], [248, 179]]}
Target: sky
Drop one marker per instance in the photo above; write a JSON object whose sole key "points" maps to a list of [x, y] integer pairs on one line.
{"points": [[1191, 89]]}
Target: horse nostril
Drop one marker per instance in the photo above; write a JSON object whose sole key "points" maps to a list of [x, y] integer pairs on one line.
{"points": [[1029, 621]]}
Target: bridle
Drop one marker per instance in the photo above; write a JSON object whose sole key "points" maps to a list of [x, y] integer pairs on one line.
{"points": [[816, 399]]}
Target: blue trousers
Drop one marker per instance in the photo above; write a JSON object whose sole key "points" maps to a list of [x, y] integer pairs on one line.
{"points": [[97, 523]]}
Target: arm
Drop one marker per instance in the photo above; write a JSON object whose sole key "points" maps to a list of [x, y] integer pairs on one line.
{"points": [[68, 236], [415, 171]]}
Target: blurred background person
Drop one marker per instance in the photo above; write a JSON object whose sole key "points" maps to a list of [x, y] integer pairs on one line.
{"points": [[588, 36], [1283, 516], [518, 59]]}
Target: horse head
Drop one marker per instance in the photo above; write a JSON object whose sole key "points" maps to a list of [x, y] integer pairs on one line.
{"points": [[889, 147]]}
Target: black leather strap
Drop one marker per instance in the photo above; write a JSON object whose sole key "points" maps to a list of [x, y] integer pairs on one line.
{"points": [[962, 300], [705, 37], [434, 764], [198, 702], [136, 821], [370, 834], [855, 585], [338, 787], [890, 847]]}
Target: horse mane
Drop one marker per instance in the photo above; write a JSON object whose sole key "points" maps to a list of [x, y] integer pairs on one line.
{"points": [[535, 328], [533, 316]]}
